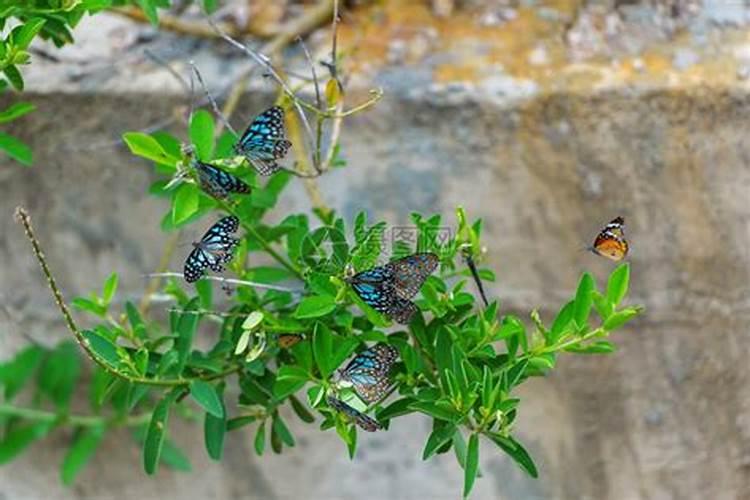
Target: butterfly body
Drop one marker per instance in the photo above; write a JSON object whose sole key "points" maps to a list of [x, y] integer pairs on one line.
{"points": [[263, 141], [388, 288], [213, 250], [610, 242], [217, 182], [368, 371], [363, 421]]}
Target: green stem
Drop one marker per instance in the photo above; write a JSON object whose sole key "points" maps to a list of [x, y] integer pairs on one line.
{"points": [[75, 420]]}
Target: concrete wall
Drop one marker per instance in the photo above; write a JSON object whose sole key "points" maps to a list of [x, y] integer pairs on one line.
{"points": [[666, 417]]}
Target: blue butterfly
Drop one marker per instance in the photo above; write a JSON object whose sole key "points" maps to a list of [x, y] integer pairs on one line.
{"points": [[263, 142], [363, 421], [368, 371], [213, 250], [217, 182], [388, 288]]}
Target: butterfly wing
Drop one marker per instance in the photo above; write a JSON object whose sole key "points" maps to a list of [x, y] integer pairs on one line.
{"points": [[263, 141], [217, 182], [402, 310], [368, 371], [374, 287], [363, 421], [287, 340], [409, 273], [215, 249], [610, 242]]}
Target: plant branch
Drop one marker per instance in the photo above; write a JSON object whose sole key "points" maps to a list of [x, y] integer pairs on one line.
{"points": [[229, 281], [75, 420]]}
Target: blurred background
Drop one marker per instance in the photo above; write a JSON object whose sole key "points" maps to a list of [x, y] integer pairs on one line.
{"points": [[547, 118]]}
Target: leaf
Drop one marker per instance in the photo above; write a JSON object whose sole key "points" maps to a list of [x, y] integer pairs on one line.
{"points": [[86, 442], [103, 348], [210, 6], [517, 452], [15, 373], [15, 111], [437, 439], [396, 409], [19, 438], [186, 327], [109, 289], [202, 134], [157, 429], [289, 380], [174, 458], [16, 149], [260, 439], [599, 347], [621, 317], [280, 429], [207, 397], [253, 319], [149, 9], [617, 285], [22, 39], [59, 374], [322, 349], [472, 464], [88, 305], [205, 293], [583, 300], [14, 77], [147, 147], [315, 306], [214, 429], [185, 204], [301, 411], [562, 320], [435, 411]]}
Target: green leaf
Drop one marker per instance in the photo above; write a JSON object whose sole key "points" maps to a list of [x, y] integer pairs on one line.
{"points": [[15, 373], [135, 320], [583, 300], [617, 285], [315, 306], [110, 287], [202, 134], [322, 349], [621, 317], [156, 433], [185, 204], [280, 429], [289, 380], [562, 320], [174, 458], [18, 439], [208, 397], [14, 77], [210, 5], [517, 452], [602, 305], [22, 39], [214, 429], [147, 147], [435, 411], [86, 442], [16, 149], [103, 348], [260, 439], [88, 305], [301, 411], [205, 293], [16, 110], [599, 347], [253, 319], [438, 438], [186, 327], [149, 9], [59, 374], [472, 464]]}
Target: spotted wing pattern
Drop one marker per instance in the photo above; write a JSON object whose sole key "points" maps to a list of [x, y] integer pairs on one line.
{"points": [[368, 371], [363, 421], [388, 288], [611, 242], [217, 182], [263, 142], [213, 250]]}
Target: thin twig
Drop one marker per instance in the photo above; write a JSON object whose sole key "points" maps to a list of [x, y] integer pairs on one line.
{"points": [[316, 82], [210, 98], [164, 64], [230, 281], [35, 414]]}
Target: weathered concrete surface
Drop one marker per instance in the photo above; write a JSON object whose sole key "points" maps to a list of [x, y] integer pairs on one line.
{"points": [[545, 155]]}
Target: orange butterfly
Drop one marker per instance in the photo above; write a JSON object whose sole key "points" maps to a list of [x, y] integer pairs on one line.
{"points": [[287, 340], [610, 242]]}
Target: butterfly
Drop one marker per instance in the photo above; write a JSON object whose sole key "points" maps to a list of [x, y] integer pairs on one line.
{"points": [[368, 371], [213, 250], [388, 288], [217, 182], [263, 141], [363, 421], [287, 340], [610, 242]]}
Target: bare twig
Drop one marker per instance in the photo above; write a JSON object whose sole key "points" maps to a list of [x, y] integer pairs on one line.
{"points": [[210, 98], [164, 64]]}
